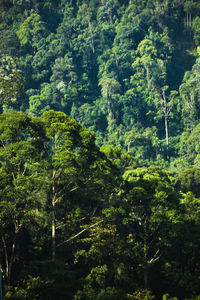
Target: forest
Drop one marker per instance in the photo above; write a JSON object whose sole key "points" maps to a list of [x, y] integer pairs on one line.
{"points": [[100, 149]]}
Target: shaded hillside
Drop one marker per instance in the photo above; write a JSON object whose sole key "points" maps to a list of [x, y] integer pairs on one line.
{"points": [[107, 64]]}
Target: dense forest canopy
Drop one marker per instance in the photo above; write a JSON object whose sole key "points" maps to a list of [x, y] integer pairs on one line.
{"points": [[127, 70], [99, 149]]}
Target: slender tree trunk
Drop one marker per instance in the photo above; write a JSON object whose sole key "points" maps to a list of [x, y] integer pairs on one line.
{"points": [[147, 75], [9, 262], [11, 258], [6, 255], [187, 19], [166, 131], [93, 50], [53, 227], [145, 249], [166, 113], [128, 147], [92, 36]]}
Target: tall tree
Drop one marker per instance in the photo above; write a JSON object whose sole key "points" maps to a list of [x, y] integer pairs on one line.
{"points": [[151, 207], [21, 150], [76, 168], [165, 107]]}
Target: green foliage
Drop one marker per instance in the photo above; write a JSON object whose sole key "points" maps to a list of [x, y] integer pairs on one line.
{"points": [[167, 297], [196, 30], [189, 93], [118, 157], [190, 181], [109, 236], [129, 71], [21, 150], [106, 64], [141, 294], [189, 147], [31, 30], [11, 80]]}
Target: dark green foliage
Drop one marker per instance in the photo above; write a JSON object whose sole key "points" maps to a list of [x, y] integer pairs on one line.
{"points": [[82, 223], [189, 181], [78, 222]]}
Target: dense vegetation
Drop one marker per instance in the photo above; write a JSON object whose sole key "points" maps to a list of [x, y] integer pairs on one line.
{"points": [[99, 149]]}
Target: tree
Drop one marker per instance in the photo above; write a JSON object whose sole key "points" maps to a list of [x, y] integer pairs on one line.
{"points": [[21, 150], [165, 108], [11, 80], [189, 147], [191, 8], [110, 88], [100, 257], [64, 78], [151, 203], [189, 181], [40, 103], [119, 158], [189, 92], [63, 133], [196, 29], [31, 31], [76, 171], [181, 259]]}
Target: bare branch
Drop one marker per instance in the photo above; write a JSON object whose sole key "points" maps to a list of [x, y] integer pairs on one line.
{"points": [[79, 233], [155, 257]]}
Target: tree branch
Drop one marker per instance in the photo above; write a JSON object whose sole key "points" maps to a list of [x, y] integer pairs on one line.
{"points": [[79, 233]]}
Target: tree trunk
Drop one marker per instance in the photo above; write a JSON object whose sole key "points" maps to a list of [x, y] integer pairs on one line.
{"points": [[9, 262], [166, 131], [11, 259], [146, 267], [128, 147], [166, 111], [6, 256], [190, 20], [53, 227], [92, 37], [145, 249], [147, 75]]}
